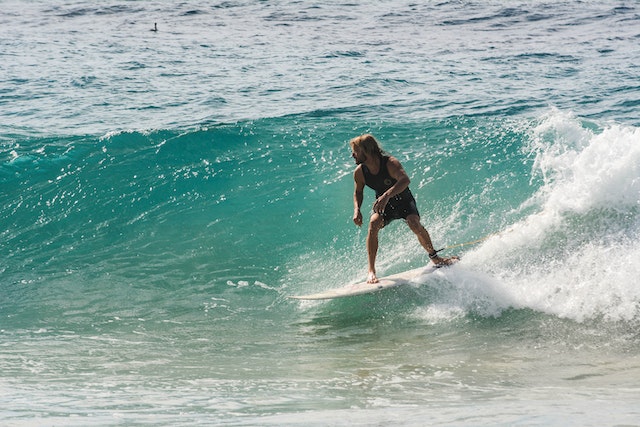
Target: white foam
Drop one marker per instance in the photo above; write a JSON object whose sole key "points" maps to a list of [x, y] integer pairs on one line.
{"points": [[582, 169], [576, 257]]}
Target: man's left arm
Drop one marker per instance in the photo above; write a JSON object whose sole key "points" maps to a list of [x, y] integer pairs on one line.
{"points": [[402, 182]]}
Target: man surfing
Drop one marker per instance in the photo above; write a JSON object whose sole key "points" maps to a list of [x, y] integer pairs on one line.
{"points": [[386, 176]]}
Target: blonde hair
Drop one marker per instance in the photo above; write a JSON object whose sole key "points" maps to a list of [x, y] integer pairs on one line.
{"points": [[369, 145]]}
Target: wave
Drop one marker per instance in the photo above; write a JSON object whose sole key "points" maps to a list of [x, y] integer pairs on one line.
{"points": [[229, 210], [575, 255]]}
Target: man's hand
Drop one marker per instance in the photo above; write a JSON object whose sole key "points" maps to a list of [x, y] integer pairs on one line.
{"points": [[380, 204], [357, 218]]}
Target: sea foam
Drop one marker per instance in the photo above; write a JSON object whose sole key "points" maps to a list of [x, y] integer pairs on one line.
{"points": [[576, 255]]}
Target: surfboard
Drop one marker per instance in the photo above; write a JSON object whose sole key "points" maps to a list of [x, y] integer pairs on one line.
{"points": [[361, 288]]}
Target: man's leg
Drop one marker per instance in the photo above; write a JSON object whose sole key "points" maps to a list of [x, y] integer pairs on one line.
{"points": [[375, 224], [413, 221]]}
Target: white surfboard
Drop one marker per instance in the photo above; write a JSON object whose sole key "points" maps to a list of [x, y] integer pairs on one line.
{"points": [[353, 289]]}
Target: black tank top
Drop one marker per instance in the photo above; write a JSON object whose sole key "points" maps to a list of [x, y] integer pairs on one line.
{"points": [[382, 181]]}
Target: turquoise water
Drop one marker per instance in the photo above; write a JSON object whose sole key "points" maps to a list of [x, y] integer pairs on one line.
{"points": [[162, 193]]}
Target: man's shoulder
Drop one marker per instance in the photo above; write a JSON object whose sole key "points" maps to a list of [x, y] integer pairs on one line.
{"points": [[393, 161], [394, 167]]}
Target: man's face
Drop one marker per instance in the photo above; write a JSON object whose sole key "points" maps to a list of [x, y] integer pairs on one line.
{"points": [[358, 155]]}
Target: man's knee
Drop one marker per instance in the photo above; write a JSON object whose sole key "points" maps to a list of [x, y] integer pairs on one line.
{"points": [[376, 223]]}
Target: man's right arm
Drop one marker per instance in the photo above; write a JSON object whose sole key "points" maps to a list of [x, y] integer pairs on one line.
{"points": [[358, 195]]}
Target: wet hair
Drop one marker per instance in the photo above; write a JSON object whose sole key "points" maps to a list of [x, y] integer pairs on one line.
{"points": [[369, 145]]}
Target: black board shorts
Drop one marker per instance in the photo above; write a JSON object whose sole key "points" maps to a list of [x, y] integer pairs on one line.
{"points": [[400, 207]]}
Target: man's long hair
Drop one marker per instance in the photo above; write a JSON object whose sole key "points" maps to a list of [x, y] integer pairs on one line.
{"points": [[369, 144]]}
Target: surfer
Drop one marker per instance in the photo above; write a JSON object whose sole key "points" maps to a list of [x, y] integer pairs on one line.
{"points": [[384, 174]]}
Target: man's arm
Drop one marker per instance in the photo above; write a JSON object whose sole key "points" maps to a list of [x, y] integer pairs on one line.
{"points": [[358, 191]]}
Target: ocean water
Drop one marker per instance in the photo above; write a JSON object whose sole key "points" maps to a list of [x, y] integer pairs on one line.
{"points": [[163, 192]]}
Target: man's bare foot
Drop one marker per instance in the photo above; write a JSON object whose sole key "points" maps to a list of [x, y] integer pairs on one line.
{"points": [[372, 278], [439, 261]]}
